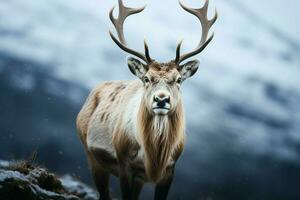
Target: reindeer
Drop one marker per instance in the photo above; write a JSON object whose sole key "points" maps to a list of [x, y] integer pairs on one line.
{"points": [[135, 130]]}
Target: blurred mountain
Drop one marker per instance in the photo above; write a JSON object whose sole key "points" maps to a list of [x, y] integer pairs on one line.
{"points": [[242, 107], [38, 112]]}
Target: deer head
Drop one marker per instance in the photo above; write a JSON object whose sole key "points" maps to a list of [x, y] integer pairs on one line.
{"points": [[162, 80]]}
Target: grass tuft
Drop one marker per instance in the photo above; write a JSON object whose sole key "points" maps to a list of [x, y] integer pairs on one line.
{"points": [[24, 166]]}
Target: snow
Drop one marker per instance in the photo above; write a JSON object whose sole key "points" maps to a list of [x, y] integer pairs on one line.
{"points": [[4, 163], [7, 175], [76, 187]]}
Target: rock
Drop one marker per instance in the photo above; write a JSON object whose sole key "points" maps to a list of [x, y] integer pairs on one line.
{"points": [[23, 180]]}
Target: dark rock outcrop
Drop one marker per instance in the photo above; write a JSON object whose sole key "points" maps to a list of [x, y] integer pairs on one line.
{"points": [[26, 181]]}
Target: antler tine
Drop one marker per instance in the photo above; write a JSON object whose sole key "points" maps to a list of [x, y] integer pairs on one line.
{"points": [[178, 52], [206, 24], [118, 23], [127, 49], [147, 51]]}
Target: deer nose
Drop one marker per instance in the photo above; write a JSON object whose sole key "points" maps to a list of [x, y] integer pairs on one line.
{"points": [[161, 100]]}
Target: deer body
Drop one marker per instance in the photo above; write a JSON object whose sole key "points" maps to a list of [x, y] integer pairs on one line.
{"points": [[135, 129], [111, 122]]}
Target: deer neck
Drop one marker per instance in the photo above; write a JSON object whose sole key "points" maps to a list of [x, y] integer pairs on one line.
{"points": [[160, 136]]}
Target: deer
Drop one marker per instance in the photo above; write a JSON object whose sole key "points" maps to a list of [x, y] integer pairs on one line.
{"points": [[135, 129]]}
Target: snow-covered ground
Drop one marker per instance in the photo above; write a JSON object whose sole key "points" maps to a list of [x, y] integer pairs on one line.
{"points": [[246, 96]]}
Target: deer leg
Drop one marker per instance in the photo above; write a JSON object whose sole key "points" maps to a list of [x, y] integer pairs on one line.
{"points": [[137, 186], [101, 178], [162, 188], [125, 182]]}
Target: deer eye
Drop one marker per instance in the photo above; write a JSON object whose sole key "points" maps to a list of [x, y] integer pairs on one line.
{"points": [[178, 80], [146, 79]]}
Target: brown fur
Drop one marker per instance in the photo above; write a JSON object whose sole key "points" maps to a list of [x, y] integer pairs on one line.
{"points": [[160, 148], [161, 144], [85, 114]]}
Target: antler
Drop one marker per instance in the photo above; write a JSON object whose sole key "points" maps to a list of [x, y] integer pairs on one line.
{"points": [[201, 14], [118, 23]]}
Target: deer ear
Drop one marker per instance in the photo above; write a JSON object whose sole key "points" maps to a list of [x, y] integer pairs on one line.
{"points": [[136, 67], [189, 69]]}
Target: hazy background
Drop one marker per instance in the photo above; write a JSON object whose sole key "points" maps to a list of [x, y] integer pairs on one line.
{"points": [[242, 106]]}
